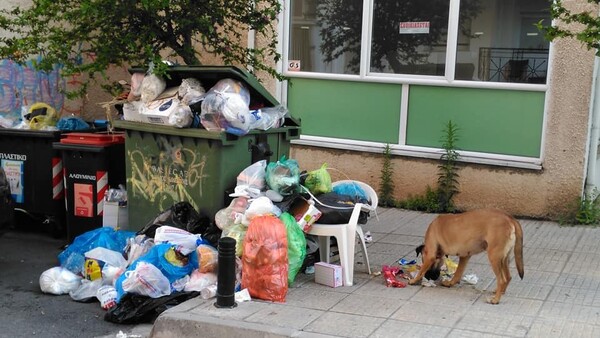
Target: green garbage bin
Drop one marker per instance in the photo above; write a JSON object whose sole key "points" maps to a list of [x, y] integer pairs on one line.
{"points": [[165, 165]]}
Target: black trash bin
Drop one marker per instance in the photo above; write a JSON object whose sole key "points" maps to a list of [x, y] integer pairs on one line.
{"points": [[34, 170], [93, 163], [166, 165]]}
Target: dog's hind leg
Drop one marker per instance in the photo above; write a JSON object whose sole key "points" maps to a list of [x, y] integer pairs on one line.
{"points": [[462, 265], [496, 262], [505, 273]]}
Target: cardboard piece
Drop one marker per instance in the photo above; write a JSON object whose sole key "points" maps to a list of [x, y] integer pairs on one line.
{"points": [[115, 215], [305, 213], [328, 274]]}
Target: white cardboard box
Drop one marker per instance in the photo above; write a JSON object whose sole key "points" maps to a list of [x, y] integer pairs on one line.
{"points": [[328, 274], [115, 215]]}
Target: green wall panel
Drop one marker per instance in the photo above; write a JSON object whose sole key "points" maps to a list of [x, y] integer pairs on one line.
{"points": [[489, 120], [344, 109]]}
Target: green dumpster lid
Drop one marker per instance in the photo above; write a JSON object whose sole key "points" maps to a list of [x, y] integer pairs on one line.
{"points": [[210, 75]]}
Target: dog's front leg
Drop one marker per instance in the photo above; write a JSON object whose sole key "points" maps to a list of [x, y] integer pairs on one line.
{"points": [[462, 264], [428, 261]]}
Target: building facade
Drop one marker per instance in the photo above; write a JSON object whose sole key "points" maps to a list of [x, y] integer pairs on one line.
{"points": [[363, 74], [366, 74]]}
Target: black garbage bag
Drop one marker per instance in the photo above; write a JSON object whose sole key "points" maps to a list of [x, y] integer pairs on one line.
{"points": [[336, 208], [138, 309], [181, 215]]}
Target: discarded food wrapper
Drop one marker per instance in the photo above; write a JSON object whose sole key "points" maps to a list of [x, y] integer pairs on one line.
{"points": [[389, 273], [403, 261], [450, 265], [427, 282], [242, 296], [470, 279]]}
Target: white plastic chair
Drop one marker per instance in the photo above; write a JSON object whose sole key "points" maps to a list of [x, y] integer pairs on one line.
{"points": [[345, 234]]}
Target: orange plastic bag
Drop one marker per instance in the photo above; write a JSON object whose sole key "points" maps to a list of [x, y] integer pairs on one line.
{"points": [[265, 259]]}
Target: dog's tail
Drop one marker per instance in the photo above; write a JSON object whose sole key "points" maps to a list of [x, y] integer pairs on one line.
{"points": [[519, 247]]}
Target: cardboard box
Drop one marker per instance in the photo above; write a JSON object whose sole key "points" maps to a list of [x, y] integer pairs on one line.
{"points": [[115, 215], [305, 213], [328, 274], [160, 109]]}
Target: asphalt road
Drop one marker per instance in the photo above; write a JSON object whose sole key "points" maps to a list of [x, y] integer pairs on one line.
{"points": [[27, 312]]}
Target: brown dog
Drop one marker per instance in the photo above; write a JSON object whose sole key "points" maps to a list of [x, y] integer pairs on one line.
{"points": [[470, 233]]}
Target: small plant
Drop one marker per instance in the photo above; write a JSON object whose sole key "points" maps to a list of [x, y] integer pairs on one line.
{"points": [[386, 186], [439, 200], [585, 210], [426, 203], [448, 170]]}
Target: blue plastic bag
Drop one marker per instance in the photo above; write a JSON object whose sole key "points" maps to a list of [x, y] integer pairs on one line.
{"points": [[351, 189], [157, 257], [73, 257], [72, 123]]}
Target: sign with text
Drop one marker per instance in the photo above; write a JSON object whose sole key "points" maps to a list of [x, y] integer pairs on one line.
{"points": [[293, 65], [416, 27]]}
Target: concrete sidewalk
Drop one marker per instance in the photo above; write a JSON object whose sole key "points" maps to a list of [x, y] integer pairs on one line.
{"points": [[559, 295]]}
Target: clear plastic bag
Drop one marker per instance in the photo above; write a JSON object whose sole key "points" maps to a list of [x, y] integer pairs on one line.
{"points": [[152, 86], [225, 107], [59, 281], [268, 117], [146, 280], [182, 240]]}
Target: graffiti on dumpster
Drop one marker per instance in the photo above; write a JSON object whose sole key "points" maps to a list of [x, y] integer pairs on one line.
{"points": [[174, 174]]}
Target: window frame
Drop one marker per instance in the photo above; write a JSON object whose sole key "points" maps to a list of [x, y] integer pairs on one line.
{"points": [[366, 75], [406, 80]]}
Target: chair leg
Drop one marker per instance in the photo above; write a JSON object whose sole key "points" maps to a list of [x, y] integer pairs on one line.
{"points": [[324, 248], [361, 236], [346, 250]]}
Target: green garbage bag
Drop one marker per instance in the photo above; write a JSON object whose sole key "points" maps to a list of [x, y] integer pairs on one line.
{"points": [[318, 181], [283, 176], [296, 245]]}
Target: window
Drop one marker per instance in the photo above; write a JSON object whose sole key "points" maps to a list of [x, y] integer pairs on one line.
{"points": [[325, 36], [409, 37], [484, 40], [504, 45]]}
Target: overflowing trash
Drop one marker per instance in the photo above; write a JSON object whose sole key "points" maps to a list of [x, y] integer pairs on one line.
{"points": [[409, 269], [135, 276], [42, 116], [225, 106]]}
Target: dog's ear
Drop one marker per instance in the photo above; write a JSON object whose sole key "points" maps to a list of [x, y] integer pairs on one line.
{"points": [[419, 249]]}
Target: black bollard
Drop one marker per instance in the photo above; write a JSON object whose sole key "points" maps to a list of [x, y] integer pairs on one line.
{"points": [[226, 273]]}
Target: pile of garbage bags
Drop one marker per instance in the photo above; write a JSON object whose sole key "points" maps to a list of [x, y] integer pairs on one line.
{"points": [[224, 107], [134, 275], [42, 116]]}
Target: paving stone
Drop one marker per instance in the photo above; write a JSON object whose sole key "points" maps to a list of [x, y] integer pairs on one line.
{"points": [[345, 325], [397, 328], [430, 314], [374, 306], [542, 327], [314, 298], [285, 316], [575, 296], [515, 325], [571, 312]]}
